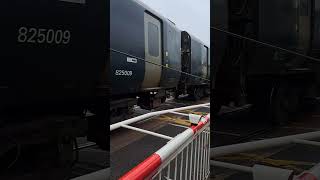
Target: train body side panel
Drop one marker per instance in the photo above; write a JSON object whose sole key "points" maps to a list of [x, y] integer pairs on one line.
{"points": [[316, 32], [280, 26], [219, 41], [171, 57], [285, 18], [52, 52], [127, 36]]}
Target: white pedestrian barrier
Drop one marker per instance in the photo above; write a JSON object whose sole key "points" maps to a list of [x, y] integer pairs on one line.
{"points": [[194, 118]]}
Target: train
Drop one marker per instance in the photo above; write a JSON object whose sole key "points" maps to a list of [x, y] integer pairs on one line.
{"points": [[52, 64], [58, 74], [151, 57], [265, 54]]}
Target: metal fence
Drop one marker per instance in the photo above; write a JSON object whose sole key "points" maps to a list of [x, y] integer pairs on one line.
{"points": [[185, 156], [190, 161]]}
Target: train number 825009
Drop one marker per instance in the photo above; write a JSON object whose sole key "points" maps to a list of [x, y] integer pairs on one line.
{"points": [[123, 73], [49, 36]]}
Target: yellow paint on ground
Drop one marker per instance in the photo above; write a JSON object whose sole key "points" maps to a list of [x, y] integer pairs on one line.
{"points": [[179, 120], [175, 120], [193, 112]]}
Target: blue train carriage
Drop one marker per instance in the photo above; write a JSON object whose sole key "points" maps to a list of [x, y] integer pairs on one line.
{"points": [[144, 45]]}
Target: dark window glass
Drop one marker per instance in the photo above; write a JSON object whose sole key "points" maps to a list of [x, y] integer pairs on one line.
{"points": [[153, 39], [204, 56]]}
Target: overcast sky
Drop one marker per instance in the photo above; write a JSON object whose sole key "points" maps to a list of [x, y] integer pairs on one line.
{"points": [[190, 15]]}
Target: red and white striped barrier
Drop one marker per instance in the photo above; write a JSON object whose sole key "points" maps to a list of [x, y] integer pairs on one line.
{"points": [[180, 145], [313, 174], [306, 176]]}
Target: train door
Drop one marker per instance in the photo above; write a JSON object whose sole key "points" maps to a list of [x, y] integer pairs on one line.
{"points": [[153, 52], [186, 55]]}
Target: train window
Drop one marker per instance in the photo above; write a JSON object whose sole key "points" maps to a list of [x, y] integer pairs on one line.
{"points": [[153, 39], [204, 59]]}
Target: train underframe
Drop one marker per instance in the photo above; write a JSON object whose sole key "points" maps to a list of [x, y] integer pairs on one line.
{"points": [[120, 108], [195, 91]]}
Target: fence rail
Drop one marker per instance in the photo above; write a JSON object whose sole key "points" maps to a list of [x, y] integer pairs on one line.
{"points": [[185, 156]]}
